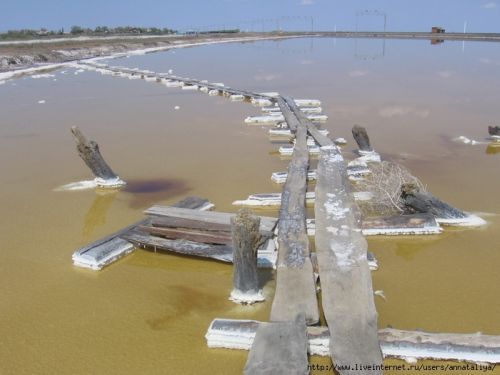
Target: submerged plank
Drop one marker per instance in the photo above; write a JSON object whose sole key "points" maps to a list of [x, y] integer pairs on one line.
{"points": [[347, 294], [222, 238], [470, 347]]}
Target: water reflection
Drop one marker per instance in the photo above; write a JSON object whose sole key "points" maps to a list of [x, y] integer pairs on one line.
{"points": [[147, 192], [493, 148], [96, 215]]}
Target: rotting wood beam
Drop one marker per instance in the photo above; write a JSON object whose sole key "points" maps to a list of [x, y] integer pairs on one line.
{"points": [[346, 284], [320, 138], [295, 285], [396, 343]]}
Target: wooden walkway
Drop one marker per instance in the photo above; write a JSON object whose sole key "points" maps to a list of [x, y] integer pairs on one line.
{"points": [[281, 345]]}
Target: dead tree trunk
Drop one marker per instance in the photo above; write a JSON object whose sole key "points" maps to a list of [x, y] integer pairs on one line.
{"points": [[246, 240], [90, 154], [425, 202], [361, 137], [494, 130]]}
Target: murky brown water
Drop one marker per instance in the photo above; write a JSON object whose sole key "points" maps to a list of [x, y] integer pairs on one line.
{"points": [[149, 312]]}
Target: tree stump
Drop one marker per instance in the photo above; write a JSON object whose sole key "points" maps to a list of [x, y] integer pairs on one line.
{"points": [[246, 240], [90, 154], [361, 137], [494, 130]]}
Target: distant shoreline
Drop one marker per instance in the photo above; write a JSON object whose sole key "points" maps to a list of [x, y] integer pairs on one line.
{"points": [[22, 54]]}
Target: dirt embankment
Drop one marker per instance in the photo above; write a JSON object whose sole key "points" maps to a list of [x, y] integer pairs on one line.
{"points": [[16, 56]]}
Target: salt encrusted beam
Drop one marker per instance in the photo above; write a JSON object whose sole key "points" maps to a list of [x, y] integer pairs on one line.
{"points": [[346, 284], [408, 345]]}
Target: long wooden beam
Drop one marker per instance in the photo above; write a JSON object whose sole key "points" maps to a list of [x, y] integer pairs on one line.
{"points": [[470, 347], [346, 284], [320, 138], [295, 286]]}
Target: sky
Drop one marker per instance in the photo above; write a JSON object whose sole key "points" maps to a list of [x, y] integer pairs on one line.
{"points": [[399, 15]]}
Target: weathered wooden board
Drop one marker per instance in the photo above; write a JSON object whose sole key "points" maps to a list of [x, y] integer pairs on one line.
{"points": [[471, 347], [400, 225], [347, 293], [291, 120], [266, 255], [110, 248], [279, 348], [218, 252], [318, 136], [295, 285], [211, 237], [217, 219]]}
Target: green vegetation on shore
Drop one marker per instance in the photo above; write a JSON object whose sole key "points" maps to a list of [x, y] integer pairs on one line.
{"points": [[80, 31]]}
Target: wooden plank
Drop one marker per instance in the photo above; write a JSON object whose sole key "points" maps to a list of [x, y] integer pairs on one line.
{"points": [[221, 238], [318, 136], [347, 294], [295, 284], [266, 255], [470, 347], [219, 252], [91, 256], [267, 224], [175, 222], [400, 224], [279, 348], [291, 120]]}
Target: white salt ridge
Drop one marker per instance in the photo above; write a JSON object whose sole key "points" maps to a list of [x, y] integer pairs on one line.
{"points": [[45, 75], [80, 185], [91, 184], [246, 298], [469, 221], [468, 141]]}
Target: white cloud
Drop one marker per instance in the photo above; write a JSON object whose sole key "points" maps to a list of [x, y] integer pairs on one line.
{"points": [[485, 60], [307, 2], [400, 110], [357, 73], [306, 62], [489, 5], [445, 74]]}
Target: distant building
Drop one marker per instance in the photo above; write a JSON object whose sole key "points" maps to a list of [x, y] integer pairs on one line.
{"points": [[437, 30]]}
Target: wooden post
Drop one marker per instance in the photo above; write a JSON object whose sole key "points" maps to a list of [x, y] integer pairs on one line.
{"points": [[494, 130], [361, 137], [89, 152], [246, 239]]}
